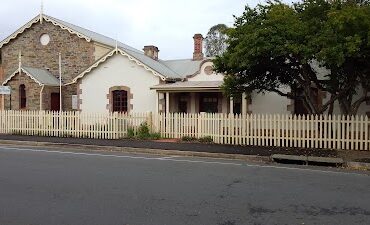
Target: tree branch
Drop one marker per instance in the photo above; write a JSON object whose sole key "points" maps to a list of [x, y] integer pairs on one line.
{"points": [[291, 96]]}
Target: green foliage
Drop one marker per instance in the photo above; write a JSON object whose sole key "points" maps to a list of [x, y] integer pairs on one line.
{"points": [[143, 133], [215, 41], [131, 133], [155, 136], [274, 46], [188, 138], [206, 139]]}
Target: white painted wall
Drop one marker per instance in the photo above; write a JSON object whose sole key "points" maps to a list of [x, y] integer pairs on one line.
{"points": [[269, 103], [118, 71], [202, 76]]}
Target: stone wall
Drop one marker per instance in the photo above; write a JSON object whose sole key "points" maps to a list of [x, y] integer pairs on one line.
{"points": [[1, 78], [67, 93], [77, 55], [32, 93], [46, 96]]}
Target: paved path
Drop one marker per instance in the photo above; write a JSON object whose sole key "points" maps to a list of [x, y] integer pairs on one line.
{"points": [[58, 187]]}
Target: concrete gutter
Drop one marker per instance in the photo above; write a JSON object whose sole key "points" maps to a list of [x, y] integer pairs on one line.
{"points": [[250, 158], [322, 160], [161, 152], [309, 159]]}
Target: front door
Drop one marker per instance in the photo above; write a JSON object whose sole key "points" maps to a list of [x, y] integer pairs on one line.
{"points": [[55, 102]]}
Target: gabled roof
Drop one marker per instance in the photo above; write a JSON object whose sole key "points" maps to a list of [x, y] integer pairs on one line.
{"points": [[36, 20], [186, 67], [157, 66], [40, 76], [19, 31], [106, 57]]}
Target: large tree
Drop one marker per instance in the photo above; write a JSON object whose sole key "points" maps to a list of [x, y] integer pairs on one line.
{"points": [[277, 48], [215, 41], [344, 48]]}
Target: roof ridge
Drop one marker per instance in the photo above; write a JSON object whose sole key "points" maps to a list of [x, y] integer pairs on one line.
{"points": [[157, 65], [121, 46], [45, 15], [73, 26]]}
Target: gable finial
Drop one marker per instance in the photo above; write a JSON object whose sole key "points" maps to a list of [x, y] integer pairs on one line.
{"points": [[41, 11], [20, 60], [116, 46]]}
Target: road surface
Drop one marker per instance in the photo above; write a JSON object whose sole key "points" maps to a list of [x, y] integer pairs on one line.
{"points": [[49, 186]]}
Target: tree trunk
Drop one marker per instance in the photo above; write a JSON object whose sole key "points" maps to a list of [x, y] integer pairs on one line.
{"points": [[331, 107]]}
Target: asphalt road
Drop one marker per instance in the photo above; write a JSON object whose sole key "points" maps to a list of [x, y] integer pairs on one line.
{"points": [[55, 187]]}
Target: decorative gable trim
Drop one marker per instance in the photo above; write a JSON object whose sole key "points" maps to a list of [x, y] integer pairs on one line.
{"points": [[110, 54], [139, 63], [37, 19], [19, 31], [70, 30], [19, 71], [200, 67]]}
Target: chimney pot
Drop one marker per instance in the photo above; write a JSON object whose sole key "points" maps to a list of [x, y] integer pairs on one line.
{"points": [[198, 47], [151, 51]]}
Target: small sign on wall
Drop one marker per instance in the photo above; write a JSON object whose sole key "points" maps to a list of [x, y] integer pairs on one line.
{"points": [[74, 102], [5, 90]]}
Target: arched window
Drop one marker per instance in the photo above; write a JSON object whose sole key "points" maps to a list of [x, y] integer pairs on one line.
{"points": [[22, 96], [120, 102]]}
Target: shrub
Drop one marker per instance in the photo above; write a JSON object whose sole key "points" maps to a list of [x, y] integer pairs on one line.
{"points": [[143, 131], [155, 136], [131, 133], [206, 139], [188, 138]]}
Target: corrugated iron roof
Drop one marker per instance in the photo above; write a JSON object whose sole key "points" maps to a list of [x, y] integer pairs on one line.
{"points": [[171, 69], [189, 85], [41, 76], [139, 55], [184, 67]]}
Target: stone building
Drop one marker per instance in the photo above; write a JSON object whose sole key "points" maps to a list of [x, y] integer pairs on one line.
{"points": [[30, 63], [100, 74]]}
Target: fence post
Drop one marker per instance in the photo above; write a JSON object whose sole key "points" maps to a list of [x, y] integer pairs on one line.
{"points": [[150, 121], [199, 130]]}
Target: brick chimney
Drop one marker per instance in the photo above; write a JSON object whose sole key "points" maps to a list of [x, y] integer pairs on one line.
{"points": [[198, 47], [1, 74], [1, 68], [151, 51]]}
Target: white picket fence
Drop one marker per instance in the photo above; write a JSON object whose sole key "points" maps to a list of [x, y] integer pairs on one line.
{"points": [[70, 124], [333, 132], [319, 131]]}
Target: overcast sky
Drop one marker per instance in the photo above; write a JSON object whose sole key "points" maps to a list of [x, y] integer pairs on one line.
{"points": [[167, 24]]}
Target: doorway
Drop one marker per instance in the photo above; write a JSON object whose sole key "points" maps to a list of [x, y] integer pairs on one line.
{"points": [[55, 102]]}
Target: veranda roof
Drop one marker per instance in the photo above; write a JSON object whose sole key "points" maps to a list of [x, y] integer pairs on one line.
{"points": [[189, 86], [40, 76]]}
